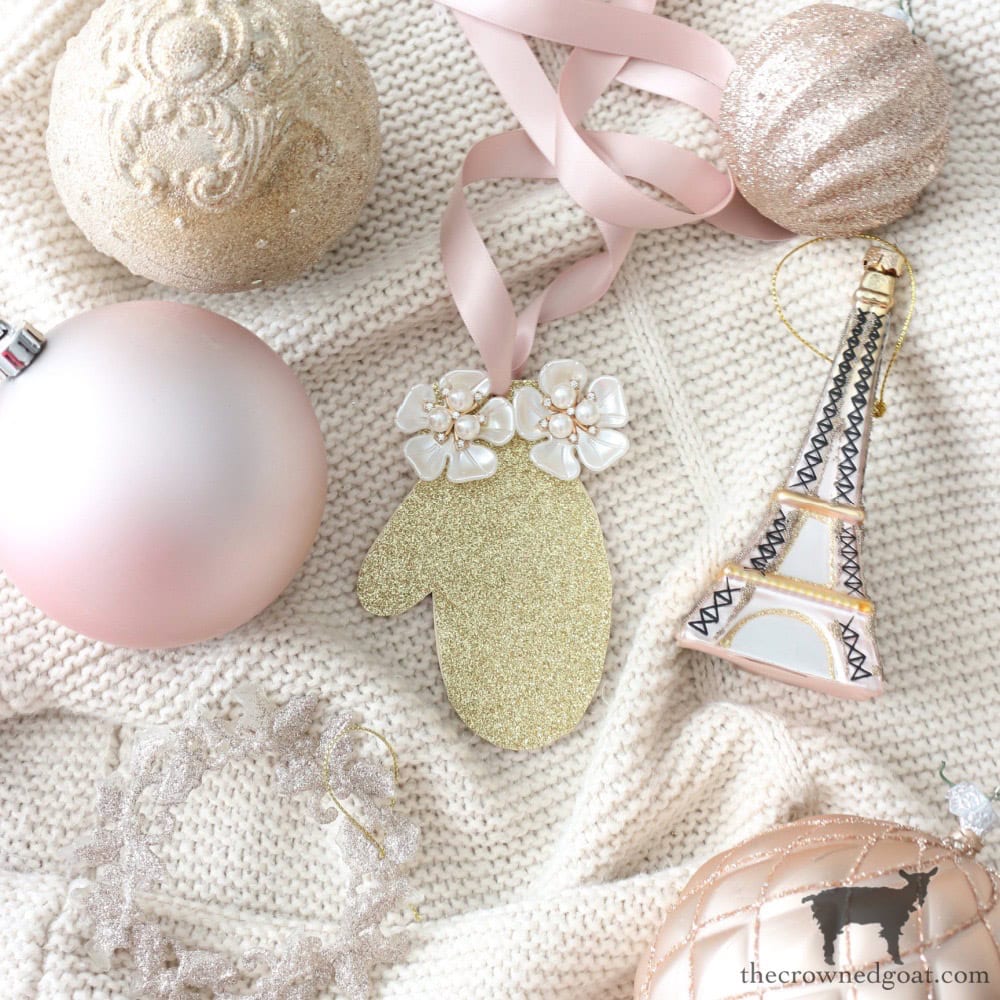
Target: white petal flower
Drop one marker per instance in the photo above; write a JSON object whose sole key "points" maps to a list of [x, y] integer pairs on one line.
{"points": [[498, 428], [427, 456], [474, 461], [557, 459], [412, 415], [610, 401], [601, 450], [529, 413], [573, 422], [557, 373], [467, 381], [448, 419]]}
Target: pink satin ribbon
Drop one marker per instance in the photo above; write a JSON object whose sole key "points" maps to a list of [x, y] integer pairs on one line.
{"points": [[620, 40]]}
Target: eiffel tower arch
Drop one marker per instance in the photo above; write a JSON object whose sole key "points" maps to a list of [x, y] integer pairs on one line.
{"points": [[793, 606]]}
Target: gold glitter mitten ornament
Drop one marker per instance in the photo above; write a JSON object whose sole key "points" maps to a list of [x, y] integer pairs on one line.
{"points": [[505, 537]]}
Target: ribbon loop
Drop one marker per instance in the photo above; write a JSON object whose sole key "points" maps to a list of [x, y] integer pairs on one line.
{"points": [[617, 41]]}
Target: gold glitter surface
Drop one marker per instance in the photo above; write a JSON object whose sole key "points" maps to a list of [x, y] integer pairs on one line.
{"points": [[835, 120], [213, 147], [522, 595]]}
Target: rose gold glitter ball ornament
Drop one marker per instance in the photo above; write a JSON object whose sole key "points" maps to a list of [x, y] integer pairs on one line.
{"points": [[163, 474], [835, 120], [216, 145], [845, 903]]}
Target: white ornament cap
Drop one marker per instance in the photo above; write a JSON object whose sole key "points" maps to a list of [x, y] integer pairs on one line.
{"points": [[899, 13], [975, 810], [18, 348]]}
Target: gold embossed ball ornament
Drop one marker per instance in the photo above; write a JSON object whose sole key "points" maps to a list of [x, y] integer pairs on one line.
{"points": [[835, 120], [213, 146], [833, 900]]}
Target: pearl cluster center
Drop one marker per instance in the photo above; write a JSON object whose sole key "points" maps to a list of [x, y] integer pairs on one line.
{"points": [[569, 414], [454, 414]]}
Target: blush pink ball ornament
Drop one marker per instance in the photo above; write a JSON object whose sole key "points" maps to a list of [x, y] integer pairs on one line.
{"points": [[163, 477], [846, 904]]}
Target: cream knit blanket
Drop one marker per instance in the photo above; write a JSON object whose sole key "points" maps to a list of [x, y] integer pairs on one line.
{"points": [[545, 874]]}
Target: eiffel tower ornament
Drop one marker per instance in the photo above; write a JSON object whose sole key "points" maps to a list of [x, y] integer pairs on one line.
{"points": [[794, 606]]}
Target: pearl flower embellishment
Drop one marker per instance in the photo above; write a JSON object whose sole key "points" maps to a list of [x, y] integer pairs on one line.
{"points": [[451, 419], [573, 421]]}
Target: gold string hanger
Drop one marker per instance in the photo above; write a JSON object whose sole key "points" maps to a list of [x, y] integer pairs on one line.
{"points": [[342, 809], [363, 830], [880, 405]]}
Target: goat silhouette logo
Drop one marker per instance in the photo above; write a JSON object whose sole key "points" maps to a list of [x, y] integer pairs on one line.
{"points": [[835, 909]]}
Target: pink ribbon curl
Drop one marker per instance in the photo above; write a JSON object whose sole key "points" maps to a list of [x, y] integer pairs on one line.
{"points": [[620, 40]]}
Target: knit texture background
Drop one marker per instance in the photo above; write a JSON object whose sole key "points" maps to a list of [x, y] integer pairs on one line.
{"points": [[545, 874]]}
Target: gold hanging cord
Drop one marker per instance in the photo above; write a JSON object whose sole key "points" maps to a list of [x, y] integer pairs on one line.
{"points": [[880, 406], [360, 827]]}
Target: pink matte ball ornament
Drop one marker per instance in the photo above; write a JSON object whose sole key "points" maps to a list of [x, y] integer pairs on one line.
{"points": [[163, 478]]}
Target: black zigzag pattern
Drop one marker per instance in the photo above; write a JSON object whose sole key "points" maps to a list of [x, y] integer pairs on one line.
{"points": [[848, 466], [774, 538], [855, 657], [850, 564], [805, 474], [709, 615]]}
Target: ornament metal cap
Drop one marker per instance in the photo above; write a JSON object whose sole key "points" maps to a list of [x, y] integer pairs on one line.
{"points": [[885, 260], [877, 291], [18, 348]]}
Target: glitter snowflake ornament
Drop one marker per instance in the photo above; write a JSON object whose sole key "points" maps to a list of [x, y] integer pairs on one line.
{"points": [[137, 814]]}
